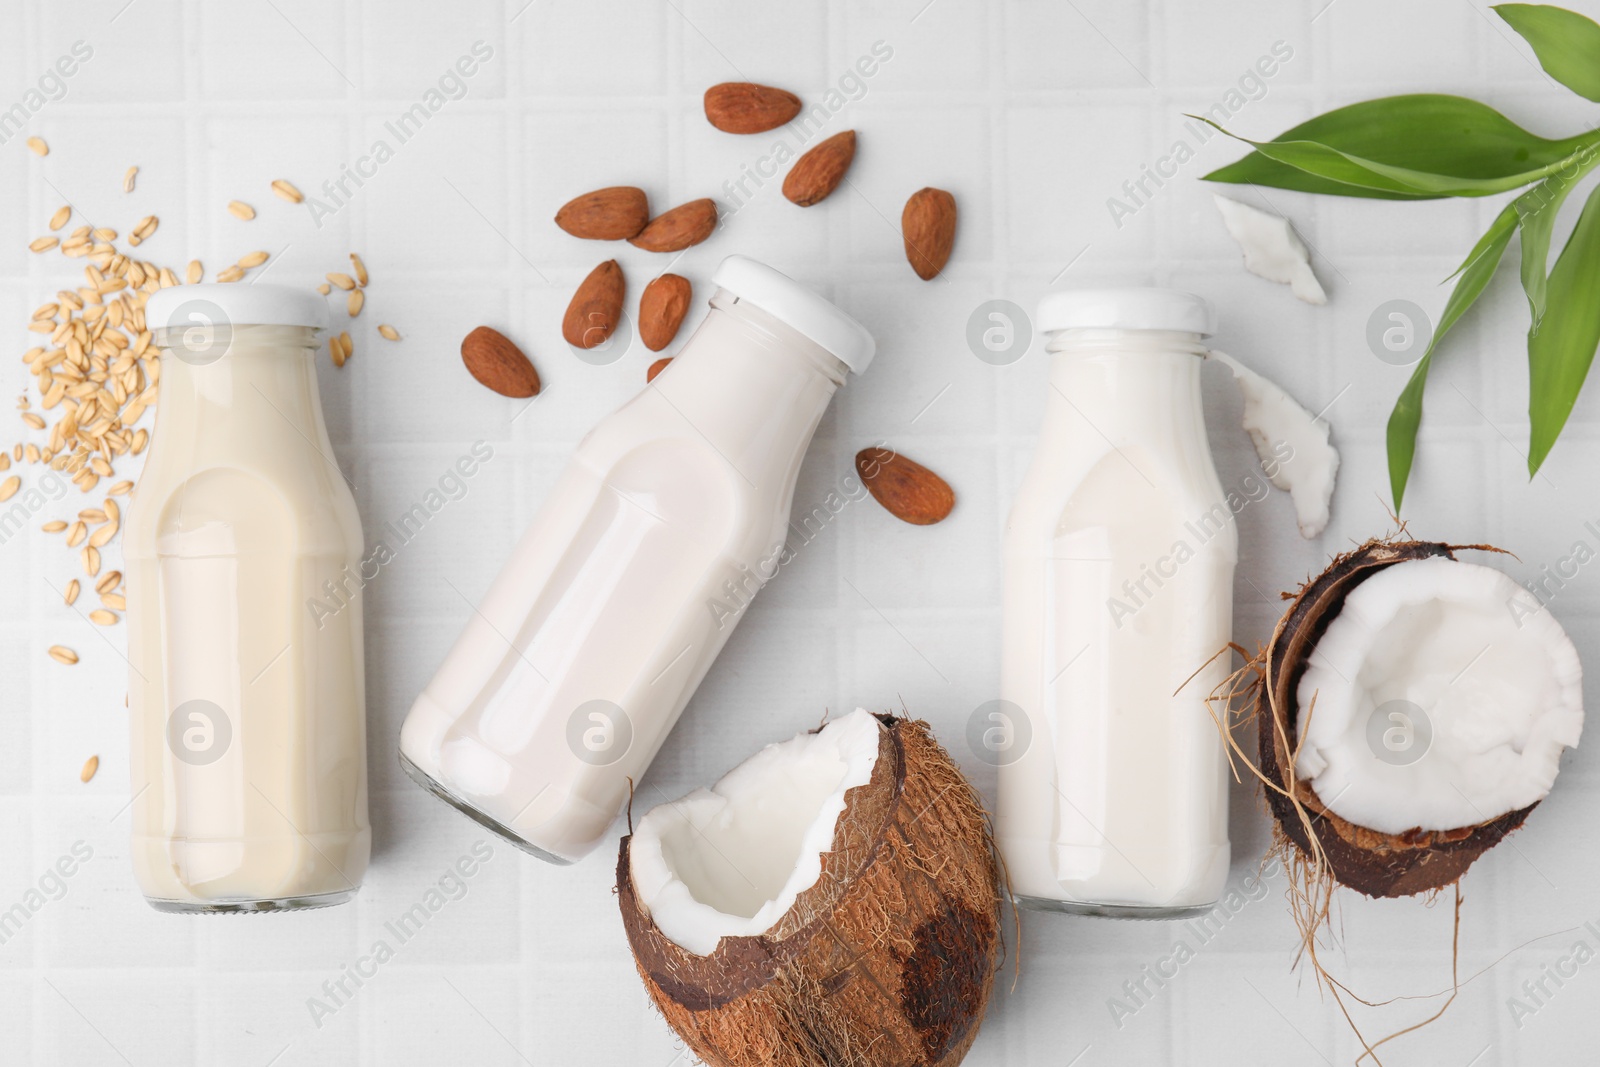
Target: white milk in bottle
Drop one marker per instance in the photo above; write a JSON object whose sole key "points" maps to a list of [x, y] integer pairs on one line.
{"points": [[247, 712], [1118, 581], [612, 607]]}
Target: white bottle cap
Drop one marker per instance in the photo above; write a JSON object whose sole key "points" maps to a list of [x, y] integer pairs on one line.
{"points": [[235, 304], [797, 306], [1126, 309]]}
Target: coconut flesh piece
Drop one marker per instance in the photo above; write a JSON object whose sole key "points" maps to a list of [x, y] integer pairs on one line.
{"points": [[1272, 250], [731, 860], [1452, 656], [1292, 444]]}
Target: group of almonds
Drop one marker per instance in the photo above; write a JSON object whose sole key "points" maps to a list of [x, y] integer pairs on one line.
{"points": [[908, 490]]}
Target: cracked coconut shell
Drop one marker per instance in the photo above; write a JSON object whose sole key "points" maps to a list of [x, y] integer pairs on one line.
{"points": [[887, 960], [1369, 861]]}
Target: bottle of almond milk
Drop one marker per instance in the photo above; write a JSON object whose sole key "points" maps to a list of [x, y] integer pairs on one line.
{"points": [[247, 710], [1118, 599], [668, 518]]}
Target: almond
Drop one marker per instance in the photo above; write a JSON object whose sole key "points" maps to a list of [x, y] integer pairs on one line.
{"points": [[612, 214], [745, 107], [907, 490], [656, 368], [596, 307], [499, 364], [928, 225], [683, 226], [661, 310], [819, 172]]}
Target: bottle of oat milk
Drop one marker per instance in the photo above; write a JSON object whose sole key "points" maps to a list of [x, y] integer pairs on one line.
{"points": [[1117, 598], [247, 711], [671, 514]]}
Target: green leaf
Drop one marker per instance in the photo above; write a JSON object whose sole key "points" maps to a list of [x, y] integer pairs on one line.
{"points": [[1257, 169], [1349, 169], [1536, 211], [1474, 274], [1567, 44], [1455, 141], [1562, 348]]}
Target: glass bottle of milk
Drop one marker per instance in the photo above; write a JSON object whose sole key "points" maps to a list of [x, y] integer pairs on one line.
{"points": [[248, 712], [1118, 580], [670, 516]]}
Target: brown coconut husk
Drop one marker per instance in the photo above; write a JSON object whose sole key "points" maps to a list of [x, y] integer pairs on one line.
{"points": [[888, 960]]}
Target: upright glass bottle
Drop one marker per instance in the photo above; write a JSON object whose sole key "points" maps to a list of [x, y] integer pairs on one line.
{"points": [[669, 517], [1118, 593], [247, 709]]}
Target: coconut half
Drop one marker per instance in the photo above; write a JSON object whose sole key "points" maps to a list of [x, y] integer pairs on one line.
{"points": [[1392, 640], [1461, 684], [833, 900]]}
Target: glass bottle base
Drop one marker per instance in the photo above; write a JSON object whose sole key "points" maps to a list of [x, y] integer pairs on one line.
{"points": [[1111, 911], [493, 825], [251, 907]]}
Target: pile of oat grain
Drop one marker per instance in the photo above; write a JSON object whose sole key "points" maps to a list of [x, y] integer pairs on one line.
{"points": [[97, 375]]}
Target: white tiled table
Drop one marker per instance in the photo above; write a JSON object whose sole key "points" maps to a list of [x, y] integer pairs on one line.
{"points": [[1033, 114]]}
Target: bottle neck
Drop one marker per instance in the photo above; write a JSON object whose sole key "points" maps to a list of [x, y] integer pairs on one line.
{"points": [[263, 376], [1130, 367], [1130, 387], [772, 333], [1067, 344], [752, 387], [202, 344]]}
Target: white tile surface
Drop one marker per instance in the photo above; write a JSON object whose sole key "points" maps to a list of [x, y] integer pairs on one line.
{"points": [[1033, 115]]}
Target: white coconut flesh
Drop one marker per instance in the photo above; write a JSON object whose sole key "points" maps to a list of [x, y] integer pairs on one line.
{"points": [[1444, 696], [731, 860], [1291, 442], [1272, 250]]}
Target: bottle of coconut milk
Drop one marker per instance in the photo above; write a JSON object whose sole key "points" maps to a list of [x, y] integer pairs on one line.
{"points": [[669, 517], [1118, 580]]}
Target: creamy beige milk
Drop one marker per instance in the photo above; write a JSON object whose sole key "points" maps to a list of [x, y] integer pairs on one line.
{"points": [[1119, 557], [668, 519], [247, 713]]}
